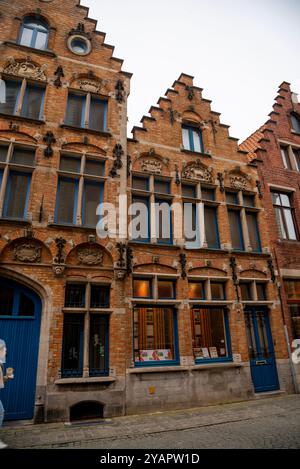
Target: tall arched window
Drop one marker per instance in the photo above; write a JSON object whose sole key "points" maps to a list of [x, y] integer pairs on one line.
{"points": [[34, 33]]}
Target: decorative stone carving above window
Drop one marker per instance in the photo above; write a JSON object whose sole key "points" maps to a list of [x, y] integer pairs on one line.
{"points": [[90, 84], [197, 170], [25, 68], [90, 256], [151, 166], [27, 252], [237, 179]]}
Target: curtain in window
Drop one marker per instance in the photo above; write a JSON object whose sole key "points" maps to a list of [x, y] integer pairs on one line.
{"points": [[92, 198], [12, 90], [67, 201], [32, 102], [97, 114], [235, 229], [23, 156], [156, 333], [210, 217], [253, 231], [16, 195], [75, 110]]}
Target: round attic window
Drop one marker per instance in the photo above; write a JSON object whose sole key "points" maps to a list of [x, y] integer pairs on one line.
{"points": [[79, 45]]}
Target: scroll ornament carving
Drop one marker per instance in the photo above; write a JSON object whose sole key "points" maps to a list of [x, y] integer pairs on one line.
{"points": [[90, 86], [238, 182], [26, 69], [197, 170], [90, 256], [27, 252], [151, 166]]}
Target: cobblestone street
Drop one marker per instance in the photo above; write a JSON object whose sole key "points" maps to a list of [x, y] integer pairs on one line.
{"points": [[263, 423]]}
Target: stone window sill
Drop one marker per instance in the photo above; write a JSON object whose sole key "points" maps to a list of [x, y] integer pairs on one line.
{"points": [[196, 367], [83, 129], [46, 52], [196, 153], [22, 118], [97, 380]]}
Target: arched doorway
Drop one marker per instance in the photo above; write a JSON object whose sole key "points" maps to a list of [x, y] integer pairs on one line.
{"points": [[20, 320]]}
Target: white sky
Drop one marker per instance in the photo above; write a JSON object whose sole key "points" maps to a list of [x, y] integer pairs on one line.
{"points": [[239, 51]]}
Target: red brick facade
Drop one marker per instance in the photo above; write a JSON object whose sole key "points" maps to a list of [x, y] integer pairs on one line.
{"points": [[44, 255]]}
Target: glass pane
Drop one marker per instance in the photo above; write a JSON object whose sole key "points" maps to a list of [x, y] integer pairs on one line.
{"points": [[94, 168], [297, 158], [231, 198], [142, 288], [153, 335], [295, 317], [141, 219], [3, 153], [197, 141], [276, 198], [166, 289], [100, 296], [211, 229], [285, 200], [208, 333], [6, 299], [32, 104], [12, 91], [70, 164], [196, 291], [253, 231], [188, 191], [295, 123], [26, 306], [92, 199], [79, 45], [75, 110], [98, 345], [207, 194], [292, 288], [249, 200], [217, 291], [235, 230], [262, 333], [23, 156], [41, 40], [290, 224], [280, 224], [162, 187], [67, 201], [261, 291], [72, 345], [26, 37], [285, 157], [140, 183], [251, 336], [16, 195], [186, 138], [246, 291], [33, 22], [98, 114], [163, 221], [75, 296]]}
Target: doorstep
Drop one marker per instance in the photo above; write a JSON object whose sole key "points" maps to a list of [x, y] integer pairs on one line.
{"points": [[265, 395]]}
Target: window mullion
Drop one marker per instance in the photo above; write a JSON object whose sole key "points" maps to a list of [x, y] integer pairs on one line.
{"points": [[152, 208], [86, 336], [80, 201], [87, 110]]}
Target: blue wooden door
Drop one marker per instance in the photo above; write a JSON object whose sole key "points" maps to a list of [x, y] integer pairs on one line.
{"points": [[261, 350], [20, 317]]}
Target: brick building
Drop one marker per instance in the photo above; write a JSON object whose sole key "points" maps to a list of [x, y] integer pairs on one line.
{"points": [[275, 149], [104, 327]]}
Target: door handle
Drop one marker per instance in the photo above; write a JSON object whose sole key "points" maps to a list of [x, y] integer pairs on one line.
{"points": [[261, 362]]}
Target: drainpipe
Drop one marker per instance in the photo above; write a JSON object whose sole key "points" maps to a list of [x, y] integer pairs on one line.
{"points": [[286, 333]]}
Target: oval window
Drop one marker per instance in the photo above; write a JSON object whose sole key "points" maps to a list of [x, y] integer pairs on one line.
{"points": [[79, 45]]}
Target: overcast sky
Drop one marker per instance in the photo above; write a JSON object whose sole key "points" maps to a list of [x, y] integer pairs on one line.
{"points": [[239, 51]]}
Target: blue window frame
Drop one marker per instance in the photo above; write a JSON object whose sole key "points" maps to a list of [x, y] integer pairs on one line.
{"points": [[12, 90], [17, 195], [197, 290], [210, 334], [140, 183], [211, 227], [162, 223], [76, 112], [99, 345], [75, 115], [1, 176], [155, 336], [192, 139], [142, 288], [34, 33], [66, 201], [295, 122], [166, 289], [72, 350], [236, 231], [98, 114]]}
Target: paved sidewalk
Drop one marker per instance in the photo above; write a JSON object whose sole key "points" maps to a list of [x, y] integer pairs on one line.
{"points": [[158, 425]]}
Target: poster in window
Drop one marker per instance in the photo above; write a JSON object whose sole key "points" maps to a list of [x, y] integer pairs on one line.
{"points": [[213, 352], [155, 355], [205, 352]]}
